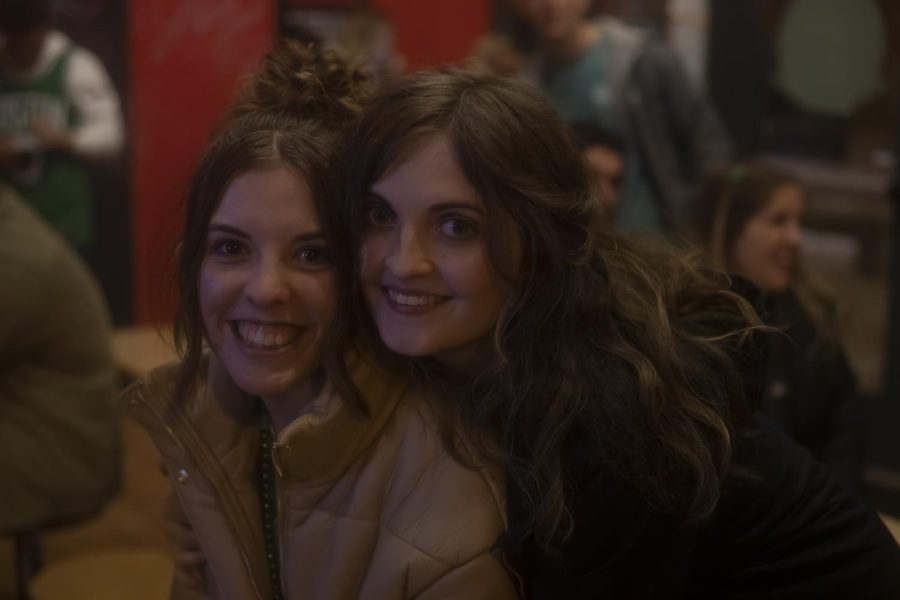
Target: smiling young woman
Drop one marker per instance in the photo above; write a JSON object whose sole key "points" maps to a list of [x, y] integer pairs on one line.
{"points": [[266, 289], [611, 384], [427, 278]]}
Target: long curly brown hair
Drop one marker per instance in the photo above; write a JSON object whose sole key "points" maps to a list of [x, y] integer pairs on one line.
{"points": [[635, 346], [293, 112]]}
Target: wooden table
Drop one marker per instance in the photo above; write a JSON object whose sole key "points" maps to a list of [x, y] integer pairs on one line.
{"points": [[140, 349]]}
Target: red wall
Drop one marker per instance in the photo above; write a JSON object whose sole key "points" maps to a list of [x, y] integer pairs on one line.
{"points": [[431, 33], [185, 56]]}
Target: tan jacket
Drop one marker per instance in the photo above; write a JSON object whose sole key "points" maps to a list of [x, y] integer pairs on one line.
{"points": [[367, 509]]}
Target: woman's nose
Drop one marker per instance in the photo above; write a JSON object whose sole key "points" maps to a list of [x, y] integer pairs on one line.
{"points": [[408, 254], [795, 234], [267, 284]]}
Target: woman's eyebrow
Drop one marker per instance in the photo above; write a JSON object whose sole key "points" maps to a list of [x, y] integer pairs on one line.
{"points": [[221, 227], [373, 196], [441, 206], [310, 236], [315, 234]]}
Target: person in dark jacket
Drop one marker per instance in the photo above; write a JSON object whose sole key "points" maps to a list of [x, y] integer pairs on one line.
{"points": [[602, 71], [603, 379], [60, 431], [749, 218]]}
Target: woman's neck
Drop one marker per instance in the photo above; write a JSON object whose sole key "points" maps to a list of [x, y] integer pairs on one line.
{"points": [[286, 408], [470, 362]]}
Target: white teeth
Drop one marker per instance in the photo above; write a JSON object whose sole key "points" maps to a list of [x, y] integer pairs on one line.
{"points": [[405, 300], [267, 336]]}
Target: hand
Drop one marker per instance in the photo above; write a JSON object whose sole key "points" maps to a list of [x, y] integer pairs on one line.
{"points": [[186, 550], [50, 137]]}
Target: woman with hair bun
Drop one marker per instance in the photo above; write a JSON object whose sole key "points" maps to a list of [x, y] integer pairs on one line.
{"points": [[290, 481], [610, 384]]}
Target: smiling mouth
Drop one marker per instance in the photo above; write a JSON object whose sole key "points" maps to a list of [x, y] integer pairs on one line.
{"points": [[265, 336], [413, 300]]}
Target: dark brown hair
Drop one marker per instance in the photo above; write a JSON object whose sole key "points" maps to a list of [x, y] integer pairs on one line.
{"points": [[292, 113], [634, 347]]}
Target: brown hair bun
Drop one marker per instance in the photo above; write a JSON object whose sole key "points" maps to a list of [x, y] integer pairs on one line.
{"points": [[304, 81]]}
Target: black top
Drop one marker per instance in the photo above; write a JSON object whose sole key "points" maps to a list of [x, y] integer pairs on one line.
{"points": [[810, 391], [791, 531]]}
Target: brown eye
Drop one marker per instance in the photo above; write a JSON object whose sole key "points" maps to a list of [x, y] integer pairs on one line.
{"points": [[313, 255], [379, 215], [228, 248], [458, 228]]}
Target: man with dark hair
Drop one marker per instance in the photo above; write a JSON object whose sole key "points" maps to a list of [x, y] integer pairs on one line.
{"points": [[57, 109], [603, 152], [602, 71]]}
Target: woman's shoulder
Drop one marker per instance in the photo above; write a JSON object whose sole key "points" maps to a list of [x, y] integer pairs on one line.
{"points": [[784, 526], [162, 398], [438, 501], [154, 390]]}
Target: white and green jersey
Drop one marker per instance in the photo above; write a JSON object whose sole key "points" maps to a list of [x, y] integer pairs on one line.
{"points": [[55, 184]]}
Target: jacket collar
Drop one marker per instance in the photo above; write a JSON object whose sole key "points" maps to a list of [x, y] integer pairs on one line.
{"points": [[322, 443], [319, 444]]}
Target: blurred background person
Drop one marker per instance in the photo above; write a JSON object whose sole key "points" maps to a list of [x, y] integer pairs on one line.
{"points": [[59, 425], [57, 109], [600, 70], [496, 53], [749, 218], [603, 153], [367, 35]]}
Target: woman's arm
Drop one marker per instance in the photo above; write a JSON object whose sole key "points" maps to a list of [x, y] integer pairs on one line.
{"points": [[788, 529], [481, 578], [189, 581]]}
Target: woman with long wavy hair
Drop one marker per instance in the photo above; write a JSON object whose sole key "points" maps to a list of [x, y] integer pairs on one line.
{"points": [[610, 383]]}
